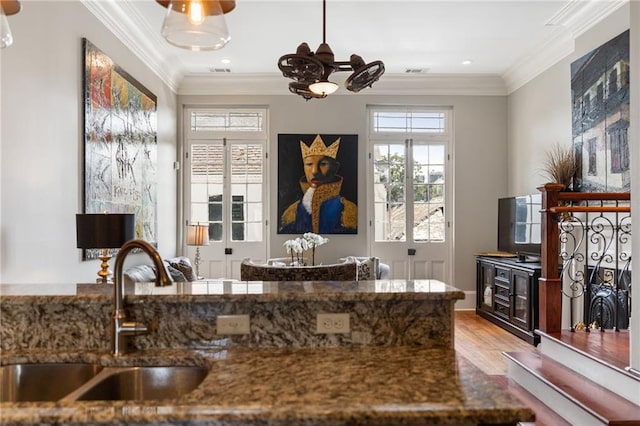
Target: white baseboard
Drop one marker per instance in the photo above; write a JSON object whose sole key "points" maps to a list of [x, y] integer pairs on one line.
{"points": [[468, 303]]}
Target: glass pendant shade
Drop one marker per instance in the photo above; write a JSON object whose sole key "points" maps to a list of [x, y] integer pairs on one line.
{"points": [[5, 31], [7, 8], [323, 87], [196, 25]]}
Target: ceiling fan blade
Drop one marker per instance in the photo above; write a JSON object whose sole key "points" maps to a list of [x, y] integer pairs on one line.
{"points": [[301, 67], [364, 76]]}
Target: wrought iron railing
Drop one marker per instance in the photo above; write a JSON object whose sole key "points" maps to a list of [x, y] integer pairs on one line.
{"points": [[586, 259]]}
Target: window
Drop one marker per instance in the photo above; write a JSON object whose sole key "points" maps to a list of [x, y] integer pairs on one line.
{"points": [[227, 174], [212, 120], [409, 174], [408, 122]]}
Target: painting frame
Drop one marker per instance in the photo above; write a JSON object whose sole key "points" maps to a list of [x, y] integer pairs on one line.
{"points": [[120, 145], [291, 177], [600, 87]]}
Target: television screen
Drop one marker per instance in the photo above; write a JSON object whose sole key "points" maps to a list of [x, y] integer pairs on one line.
{"points": [[519, 225]]}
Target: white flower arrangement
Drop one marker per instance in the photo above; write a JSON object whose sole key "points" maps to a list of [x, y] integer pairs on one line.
{"points": [[298, 246]]}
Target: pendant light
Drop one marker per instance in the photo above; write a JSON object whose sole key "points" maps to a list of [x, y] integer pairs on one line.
{"points": [[310, 71], [7, 8], [196, 24]]}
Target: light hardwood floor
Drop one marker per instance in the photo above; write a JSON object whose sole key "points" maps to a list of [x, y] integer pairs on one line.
{"points": [[482, 343]]}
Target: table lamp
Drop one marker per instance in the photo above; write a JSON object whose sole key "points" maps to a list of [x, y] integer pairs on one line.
{"points": [[104, 231], [197, 235]]}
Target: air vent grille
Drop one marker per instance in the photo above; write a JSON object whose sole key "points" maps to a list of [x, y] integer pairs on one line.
{"points": [[416, 70], [220, 70]]}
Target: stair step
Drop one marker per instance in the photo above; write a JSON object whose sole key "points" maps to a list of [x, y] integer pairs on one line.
{"points": [[545, 416], [604, 405], [599, 356]]}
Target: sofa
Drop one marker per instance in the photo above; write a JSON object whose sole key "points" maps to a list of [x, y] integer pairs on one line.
{"points": [[249, 271], [180, 270]]}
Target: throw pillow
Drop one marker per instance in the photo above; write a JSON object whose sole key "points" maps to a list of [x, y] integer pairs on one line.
{"points": [[184, 265], [175, 274]]}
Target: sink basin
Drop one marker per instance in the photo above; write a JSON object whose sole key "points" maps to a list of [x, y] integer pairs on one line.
{"points": [[43, 382], [142, 383]]}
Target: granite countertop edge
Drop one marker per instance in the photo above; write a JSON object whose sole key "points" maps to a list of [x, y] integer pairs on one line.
{"points": [[272, 402]]}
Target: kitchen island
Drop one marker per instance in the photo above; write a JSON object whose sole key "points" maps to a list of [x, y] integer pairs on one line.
{"points": [[396, 366]]}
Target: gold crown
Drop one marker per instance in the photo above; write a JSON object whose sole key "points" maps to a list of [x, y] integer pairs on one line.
{"points": [[319, 148]]}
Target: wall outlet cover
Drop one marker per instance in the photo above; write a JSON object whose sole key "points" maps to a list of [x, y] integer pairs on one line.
{"points": [[333, 324], [232, 324]]}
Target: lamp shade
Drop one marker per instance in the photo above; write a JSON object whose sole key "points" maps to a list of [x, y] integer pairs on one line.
{"points": [[104, 230], [196, 24], [197, 235]]}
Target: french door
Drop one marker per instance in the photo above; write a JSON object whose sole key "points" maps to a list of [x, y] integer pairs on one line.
{"points": [[225, 188], [410, 218]]}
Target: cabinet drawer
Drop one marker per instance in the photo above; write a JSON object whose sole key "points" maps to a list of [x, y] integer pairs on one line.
{"points": [[500, 309], [502, 292], [503, 274]]}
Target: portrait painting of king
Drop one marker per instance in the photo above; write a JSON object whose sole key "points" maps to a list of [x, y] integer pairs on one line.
{"points": [[317, 184]]}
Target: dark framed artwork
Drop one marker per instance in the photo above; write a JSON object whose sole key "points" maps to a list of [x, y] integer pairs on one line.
{"points": [[600, 117], [120, 144], [327, 203]]}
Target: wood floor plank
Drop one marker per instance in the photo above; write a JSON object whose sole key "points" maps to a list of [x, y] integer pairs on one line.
{"points": [[482, 342], [611, 347]]}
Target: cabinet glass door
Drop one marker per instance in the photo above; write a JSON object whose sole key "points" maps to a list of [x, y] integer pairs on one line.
{"points": [[486, 295], [520, 311]]}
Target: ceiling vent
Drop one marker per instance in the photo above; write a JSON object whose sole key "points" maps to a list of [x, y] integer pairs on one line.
{"points": [[416, 70], [220, 70]]}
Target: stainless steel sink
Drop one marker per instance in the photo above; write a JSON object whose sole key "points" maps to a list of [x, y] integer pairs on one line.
{"points": [[92, 382], [43, 382], [141, 383]]}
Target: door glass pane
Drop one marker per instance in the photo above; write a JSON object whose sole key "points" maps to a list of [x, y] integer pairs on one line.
{"points": [[215, 217], [389, 192], [207, 169], [247, 187], [428, 193]]}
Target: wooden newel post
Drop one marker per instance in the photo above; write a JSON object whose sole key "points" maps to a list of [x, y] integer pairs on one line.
{"points": [[550, 284]]}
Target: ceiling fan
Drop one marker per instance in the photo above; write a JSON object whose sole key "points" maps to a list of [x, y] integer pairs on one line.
{"points": [[310, 71]]}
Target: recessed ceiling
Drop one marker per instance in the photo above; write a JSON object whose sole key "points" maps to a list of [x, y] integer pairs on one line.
{"points": [[503, 39]]}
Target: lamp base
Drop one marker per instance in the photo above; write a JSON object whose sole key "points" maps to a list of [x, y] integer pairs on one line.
{"points": [[196, 262], [104, 274]]}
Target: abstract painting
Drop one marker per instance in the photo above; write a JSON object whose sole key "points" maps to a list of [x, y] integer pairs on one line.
{"points": [[600, 117], [317, 184], [120, 144]]}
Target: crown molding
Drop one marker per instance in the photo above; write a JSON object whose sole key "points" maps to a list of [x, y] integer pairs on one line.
{"points": [[389, 84], [555, 48], [571, 22], [125, 22]]}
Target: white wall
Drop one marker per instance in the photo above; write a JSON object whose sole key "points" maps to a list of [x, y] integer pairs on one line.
{"points": [[41, 143], [41, 149], [539, 113], [479, 153]]}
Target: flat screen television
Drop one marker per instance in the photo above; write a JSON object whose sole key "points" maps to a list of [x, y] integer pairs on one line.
{"points": [[519, 226]]}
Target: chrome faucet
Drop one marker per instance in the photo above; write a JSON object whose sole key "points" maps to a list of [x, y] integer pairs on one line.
{"points": [[120, 326]]}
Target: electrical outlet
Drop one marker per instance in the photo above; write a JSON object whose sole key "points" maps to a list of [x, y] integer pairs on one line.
{"points": [[232, 324], [332, 324]]}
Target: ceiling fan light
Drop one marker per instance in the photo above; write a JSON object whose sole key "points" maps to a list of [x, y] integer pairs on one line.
{"points": [[323, 87], [196, 25]]}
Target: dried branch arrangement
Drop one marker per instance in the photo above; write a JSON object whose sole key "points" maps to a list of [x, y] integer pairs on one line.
{"points": [[560, 165]]}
